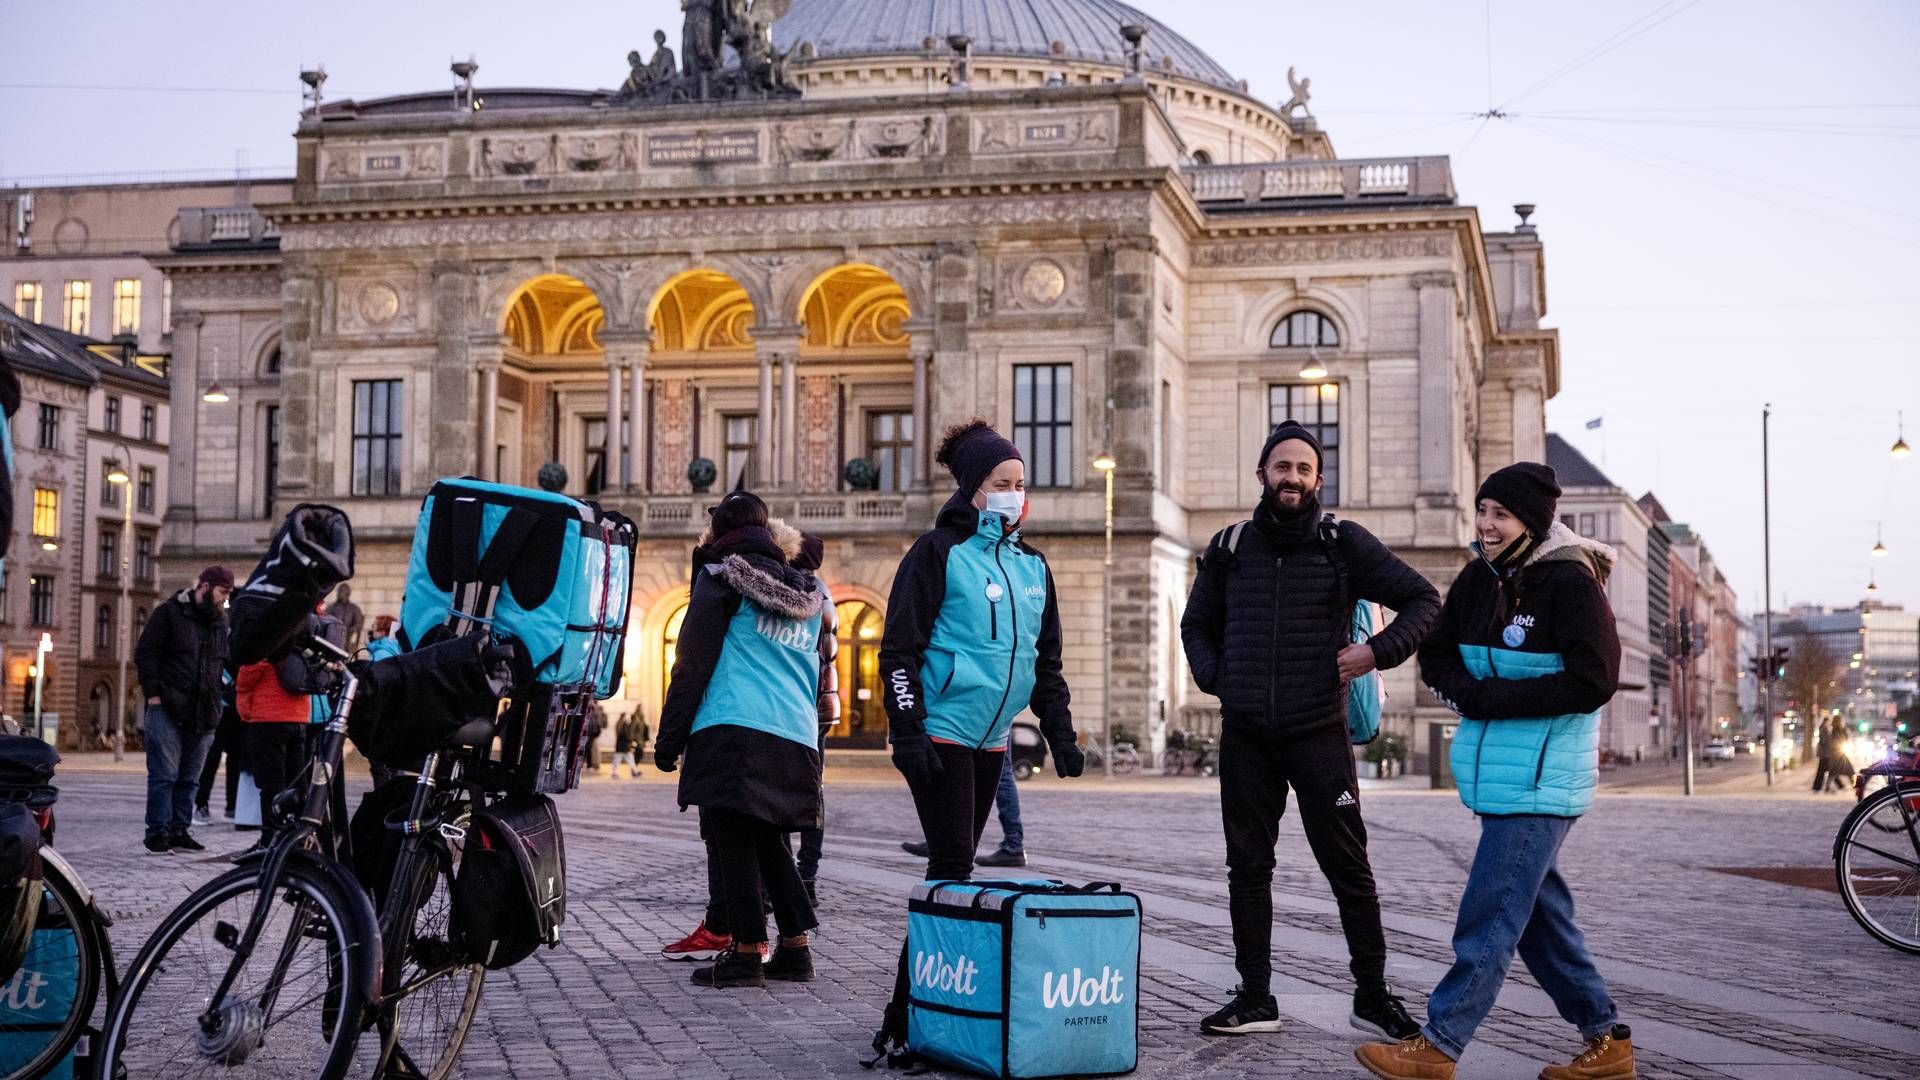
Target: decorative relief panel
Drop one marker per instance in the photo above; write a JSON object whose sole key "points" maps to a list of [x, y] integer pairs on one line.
{"points": [[375, 305], [856, 139], [819, 426], [1046, 131], [1039, 282], [672, 435], [350, 163], [1280, 252]]}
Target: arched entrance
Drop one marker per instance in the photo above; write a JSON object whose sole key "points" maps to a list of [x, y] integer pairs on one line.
{"points": [[551, 403], [863, 716]]}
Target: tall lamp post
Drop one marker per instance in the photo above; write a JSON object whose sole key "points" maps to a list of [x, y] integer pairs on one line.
{"points": [[1766, 615], [1106, 465], [117, 474]]}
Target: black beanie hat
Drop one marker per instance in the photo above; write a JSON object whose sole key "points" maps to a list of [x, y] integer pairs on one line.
{"points": [[971, 452], [1529, 491], [1290, 429], [738, 510]]}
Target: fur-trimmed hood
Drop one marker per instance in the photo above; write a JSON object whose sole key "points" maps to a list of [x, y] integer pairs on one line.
{"points": [[1564, 545], [774, 586]]}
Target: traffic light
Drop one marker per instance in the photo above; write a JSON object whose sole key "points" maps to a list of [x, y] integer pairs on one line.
{"points": [[1865, 726], [1779, 662]]}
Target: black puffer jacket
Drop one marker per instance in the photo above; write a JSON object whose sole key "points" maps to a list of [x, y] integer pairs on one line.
{"points": [[181, 657], [1265, 624]]}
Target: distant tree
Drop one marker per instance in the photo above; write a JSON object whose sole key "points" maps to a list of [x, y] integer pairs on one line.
{"points": [[1812, 671]]}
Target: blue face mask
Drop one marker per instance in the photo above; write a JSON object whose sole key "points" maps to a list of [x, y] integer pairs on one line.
{"points": [[1008, 504]]}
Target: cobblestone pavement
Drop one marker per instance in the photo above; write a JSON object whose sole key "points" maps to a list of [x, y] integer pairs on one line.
{"points": [[1720, 975]]}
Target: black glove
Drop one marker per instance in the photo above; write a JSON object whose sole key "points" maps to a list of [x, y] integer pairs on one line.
{"points": [[914, 756], [664, 759], [1068, 759]]}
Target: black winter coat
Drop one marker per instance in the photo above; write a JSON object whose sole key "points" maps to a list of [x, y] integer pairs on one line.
{"points": [[1265, 623], [730, 766], [181, 656]]}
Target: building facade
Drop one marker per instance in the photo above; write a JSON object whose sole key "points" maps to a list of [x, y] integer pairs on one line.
{"points": [[1101, 248], [1877, 649], [79, 578]]}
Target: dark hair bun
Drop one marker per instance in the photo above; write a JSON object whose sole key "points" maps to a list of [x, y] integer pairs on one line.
{"points": [[738, 510], [956, 435]]}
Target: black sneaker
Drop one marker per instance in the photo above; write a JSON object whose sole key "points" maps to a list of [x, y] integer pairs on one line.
{"points": [[916, 848], [157, 845], [733, 968], [1378, 1011], [1248, 1014], [790, 963], [1002, 857], [185, 842]]}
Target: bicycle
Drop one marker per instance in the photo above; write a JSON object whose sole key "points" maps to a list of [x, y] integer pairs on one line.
{"points": [[1876, 858], [1126, 759], [46, 1002], [202, 1005]]}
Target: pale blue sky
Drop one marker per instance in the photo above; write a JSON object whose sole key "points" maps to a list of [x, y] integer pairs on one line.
{"points": [[1726, 197]]}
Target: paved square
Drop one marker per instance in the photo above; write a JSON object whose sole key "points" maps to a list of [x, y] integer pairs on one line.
{"points": [[1720, 975]]}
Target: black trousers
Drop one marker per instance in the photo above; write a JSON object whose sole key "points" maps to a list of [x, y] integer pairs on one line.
{"points": [[1255, 772], [228, 739], [275, 755], [953, 807], [751, 855]]}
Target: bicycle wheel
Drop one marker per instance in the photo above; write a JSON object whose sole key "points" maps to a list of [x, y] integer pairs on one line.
{"points": [[296, 1006], [431, 991], [1877, 863], [47, 1003], [1125, 761]]}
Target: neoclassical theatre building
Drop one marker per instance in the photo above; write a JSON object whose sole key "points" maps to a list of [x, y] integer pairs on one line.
{"points": [[793, 258]]}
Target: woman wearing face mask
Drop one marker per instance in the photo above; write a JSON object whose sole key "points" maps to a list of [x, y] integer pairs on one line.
{"points": [[1526, 653], [972, 638]]}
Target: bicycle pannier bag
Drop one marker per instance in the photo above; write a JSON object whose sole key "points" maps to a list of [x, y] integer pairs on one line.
{"points": [[510, 895], [552, 573], [412, 703], [1024, 978]]}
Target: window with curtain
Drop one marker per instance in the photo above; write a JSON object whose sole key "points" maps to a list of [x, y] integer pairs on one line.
{"points": [[77, 305], [108, 563], [1316, 407], [890, 448], [103, 643], [126, 306], [143, 497], [143, 557], [26, 300], [148, 425], [740, 452], [113, 413], [40, 600], [46, 513]]}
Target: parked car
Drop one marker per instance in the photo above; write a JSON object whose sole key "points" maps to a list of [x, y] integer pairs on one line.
{"points": [[1029, 750], [1717, 749], [1744, 744]]}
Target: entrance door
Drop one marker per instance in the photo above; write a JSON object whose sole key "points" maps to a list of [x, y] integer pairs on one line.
{"points": [[863, 718]]}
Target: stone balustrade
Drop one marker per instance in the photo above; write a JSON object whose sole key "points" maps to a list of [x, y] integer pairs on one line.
{"points": [[1359, 180]]}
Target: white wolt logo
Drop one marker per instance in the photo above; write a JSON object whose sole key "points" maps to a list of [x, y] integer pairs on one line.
{"points": [[1082, 990], [934, 973], [902, 690]]}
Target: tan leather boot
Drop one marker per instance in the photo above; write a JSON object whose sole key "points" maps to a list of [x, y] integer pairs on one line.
{"points": [[1408, 1059], [1609, 1057]]}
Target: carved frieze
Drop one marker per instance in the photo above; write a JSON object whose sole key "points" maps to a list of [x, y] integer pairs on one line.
{"points": [[1280, 252], [383, 162], [1045, 131], [375, 303], [749, 222], [233, 286]]}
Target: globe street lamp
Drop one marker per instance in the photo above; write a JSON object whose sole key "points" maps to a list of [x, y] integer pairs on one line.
{"points": [[117, 474]]}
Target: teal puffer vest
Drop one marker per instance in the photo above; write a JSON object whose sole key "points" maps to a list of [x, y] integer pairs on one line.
{"points": [[1542, 765]]}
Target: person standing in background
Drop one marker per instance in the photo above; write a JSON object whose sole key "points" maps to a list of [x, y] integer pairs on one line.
{"points": [[181, 658]]}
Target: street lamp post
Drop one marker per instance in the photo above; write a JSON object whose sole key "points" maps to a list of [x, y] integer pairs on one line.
{"points": [[40, 682], [1766, 617], [1106, 464], [116, 474]]}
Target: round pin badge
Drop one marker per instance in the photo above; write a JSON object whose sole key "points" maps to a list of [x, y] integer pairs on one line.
{"points": [[994, 592], [1514, 635]]}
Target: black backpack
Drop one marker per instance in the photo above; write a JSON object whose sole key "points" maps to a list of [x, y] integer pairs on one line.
{"points": [[510, 895]]}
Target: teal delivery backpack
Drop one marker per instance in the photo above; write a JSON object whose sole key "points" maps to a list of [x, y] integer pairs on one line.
{"points": [[554, 574], [1024, 978]]}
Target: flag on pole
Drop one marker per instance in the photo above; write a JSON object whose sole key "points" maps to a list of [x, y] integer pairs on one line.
{"points": [[1595, 422]]}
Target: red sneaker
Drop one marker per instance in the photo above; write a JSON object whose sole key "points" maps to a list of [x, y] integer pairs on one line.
{"points": [[702, 944]]}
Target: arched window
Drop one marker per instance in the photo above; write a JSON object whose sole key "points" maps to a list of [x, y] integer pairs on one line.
{"points": [[1201, 157], [669, 647], [1303, 328], [272, 366], [103, 642], [863, 719]]}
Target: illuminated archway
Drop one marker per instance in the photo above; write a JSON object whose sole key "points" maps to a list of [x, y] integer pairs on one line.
{"points": [[856, 307], [863, 717], [701, 311], [554, 316], [551, 398]]}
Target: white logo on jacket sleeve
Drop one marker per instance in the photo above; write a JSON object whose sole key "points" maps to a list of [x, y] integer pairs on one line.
{"points": [[902, 690]]}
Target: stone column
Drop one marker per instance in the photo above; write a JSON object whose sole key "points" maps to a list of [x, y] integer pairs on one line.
{"points": [[1436, 382], [789, 421], [610, 446], [452, 384], [183, 416], [763, 454], [637, 433], [920, 344], [487, 352], [626, 365], [778, 462]]}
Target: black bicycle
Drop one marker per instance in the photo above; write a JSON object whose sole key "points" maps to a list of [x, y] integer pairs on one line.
{"points": [[1876, 856], [279, 967]]}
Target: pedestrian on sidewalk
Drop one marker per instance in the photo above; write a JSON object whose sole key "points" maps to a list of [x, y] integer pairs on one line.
{"points": [[972, 638], [181, 659], [813, 554], [1268, 630], [596, 723], [742, 706], [623, 747], [1526, 653], [1823, 755]]}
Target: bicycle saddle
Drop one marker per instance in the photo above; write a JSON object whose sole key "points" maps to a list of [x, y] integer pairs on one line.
{"points": [[472, 733]]}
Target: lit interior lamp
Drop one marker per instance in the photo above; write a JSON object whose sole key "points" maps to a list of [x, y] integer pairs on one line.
{"points": [[216, 394], [49, 545], [1900, 448], [1879, 549], [1314, 368]]}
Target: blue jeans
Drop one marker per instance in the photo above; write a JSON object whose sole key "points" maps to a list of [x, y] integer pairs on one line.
{"points": [[1516, 899], [173, 773], [1006, 799]]}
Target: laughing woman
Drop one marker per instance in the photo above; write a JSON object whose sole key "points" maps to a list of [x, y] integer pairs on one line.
{"points": [[972, 638], [742, 707], [1526, 653]]}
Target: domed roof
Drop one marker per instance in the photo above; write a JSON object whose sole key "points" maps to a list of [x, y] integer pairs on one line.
{"points": [[1083, 30]]}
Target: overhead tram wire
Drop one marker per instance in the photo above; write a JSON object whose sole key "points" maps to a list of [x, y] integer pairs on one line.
{"points": [[1618, 38]]}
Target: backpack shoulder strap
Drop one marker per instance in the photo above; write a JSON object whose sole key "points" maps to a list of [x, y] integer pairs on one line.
{"points": [[1329, 533], [1225, 545]]}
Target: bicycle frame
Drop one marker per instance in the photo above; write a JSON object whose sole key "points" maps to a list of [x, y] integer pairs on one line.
{"points": [[325, 801]]}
